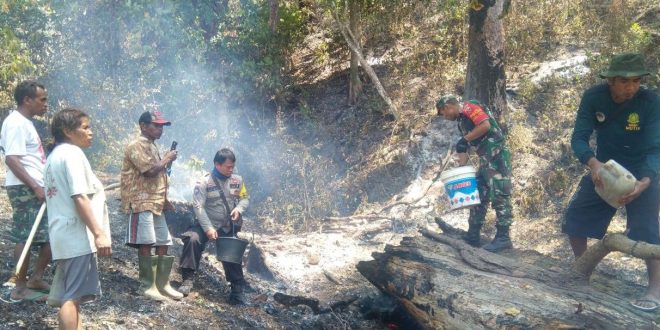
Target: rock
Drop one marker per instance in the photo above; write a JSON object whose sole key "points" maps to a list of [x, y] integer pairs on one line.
{"points": [[313, 258]]}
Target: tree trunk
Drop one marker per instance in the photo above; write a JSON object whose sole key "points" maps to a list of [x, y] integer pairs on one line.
{"points": [[350, 41], [485, 79], [444, 283], [273, 18], [219, 10], [354, 82]]}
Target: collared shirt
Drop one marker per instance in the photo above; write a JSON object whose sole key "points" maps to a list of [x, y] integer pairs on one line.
{"points": [[138, 192], [628, 132], [209, 207]]}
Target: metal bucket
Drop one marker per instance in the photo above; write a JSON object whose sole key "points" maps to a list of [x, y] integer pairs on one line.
{"points": [[230, 249]]}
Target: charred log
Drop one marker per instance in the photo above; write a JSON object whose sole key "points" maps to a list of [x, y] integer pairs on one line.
{"points": [[288, 300], [312, 303], [182, 218], [443, 283]]}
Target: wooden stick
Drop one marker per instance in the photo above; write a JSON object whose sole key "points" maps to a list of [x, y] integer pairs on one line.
{"points": [[28, 242], [426, 190]]}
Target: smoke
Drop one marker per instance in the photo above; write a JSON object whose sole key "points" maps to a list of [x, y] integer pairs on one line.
{"points": [[117, 59]]}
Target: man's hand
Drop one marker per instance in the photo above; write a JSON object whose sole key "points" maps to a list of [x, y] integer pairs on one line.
{"points": [[235, 215], [640, 186], [211, 234], [170, 156], [461, 158], [103, 247], [594, 166], [462, 145], [40, 192]]}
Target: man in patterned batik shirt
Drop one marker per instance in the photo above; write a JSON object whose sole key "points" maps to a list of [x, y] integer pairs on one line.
{"points": [[144, 185]]}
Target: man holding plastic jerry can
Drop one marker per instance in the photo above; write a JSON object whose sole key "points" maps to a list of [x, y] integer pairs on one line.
{"points": [[626, 119], [219, 201], [479, 129]]}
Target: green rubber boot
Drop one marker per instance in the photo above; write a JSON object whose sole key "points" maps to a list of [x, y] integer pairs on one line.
{"points": [[163, 278], [148, 266]]}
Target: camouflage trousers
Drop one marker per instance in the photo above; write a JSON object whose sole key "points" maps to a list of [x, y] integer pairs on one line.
{"points": [[26, 205], [494, 184]]}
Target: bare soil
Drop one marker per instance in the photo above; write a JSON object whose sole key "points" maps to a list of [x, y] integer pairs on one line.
{"points": [[121, 307]]}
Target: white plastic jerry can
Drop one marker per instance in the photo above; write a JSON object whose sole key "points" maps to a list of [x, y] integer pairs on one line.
{"points": [[617, 182]]}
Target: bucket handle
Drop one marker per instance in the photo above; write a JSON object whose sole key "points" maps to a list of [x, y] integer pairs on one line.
{"points": [[233, 232]]}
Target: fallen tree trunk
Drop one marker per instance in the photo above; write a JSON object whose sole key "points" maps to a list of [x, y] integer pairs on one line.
{"points": [[444, 283]]}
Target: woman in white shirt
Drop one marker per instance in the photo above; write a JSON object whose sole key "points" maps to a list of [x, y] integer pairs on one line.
{"points": [[77, 217]]}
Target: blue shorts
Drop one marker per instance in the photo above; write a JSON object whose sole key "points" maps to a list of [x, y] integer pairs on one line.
{"points": [[588, 215]]}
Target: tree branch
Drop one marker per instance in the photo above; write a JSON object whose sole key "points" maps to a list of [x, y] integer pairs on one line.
{"points": [[586, 263], [353, 45]]}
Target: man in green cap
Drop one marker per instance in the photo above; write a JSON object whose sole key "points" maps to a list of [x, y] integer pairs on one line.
{"points": [[626, 119], [479, 129]]}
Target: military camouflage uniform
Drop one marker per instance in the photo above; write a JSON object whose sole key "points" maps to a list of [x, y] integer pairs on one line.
{"points": [[494, 174], [26, 207]]}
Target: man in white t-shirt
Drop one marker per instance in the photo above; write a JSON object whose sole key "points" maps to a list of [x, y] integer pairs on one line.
{"points": [[25, 158]]}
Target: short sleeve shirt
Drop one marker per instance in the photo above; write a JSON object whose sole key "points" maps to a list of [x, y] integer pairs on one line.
{"points": [[474, 113], [138, 192], [67, 174], [19, 138], [471, 115]]}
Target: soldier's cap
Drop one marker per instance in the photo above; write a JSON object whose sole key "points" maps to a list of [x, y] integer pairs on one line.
{"points": [[440, 103], [155, 117], [626, 65]]}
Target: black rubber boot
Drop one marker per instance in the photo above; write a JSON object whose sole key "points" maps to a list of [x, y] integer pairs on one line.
{"points": [[236, 295], [188, 277], [473, 235], [501, 240]]}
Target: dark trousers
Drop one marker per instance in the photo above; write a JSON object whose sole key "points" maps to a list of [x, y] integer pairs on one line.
{"points": [[194, 243], [588, 215]]}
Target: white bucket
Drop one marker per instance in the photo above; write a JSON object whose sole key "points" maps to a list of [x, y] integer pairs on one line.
{"points": [[617, 182], [461, 186]]}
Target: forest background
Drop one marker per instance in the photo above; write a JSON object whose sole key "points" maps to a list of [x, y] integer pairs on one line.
{"points": [[270, 79]]}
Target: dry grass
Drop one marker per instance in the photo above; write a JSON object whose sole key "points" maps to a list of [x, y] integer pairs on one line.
{"points": [[520, 138]]}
